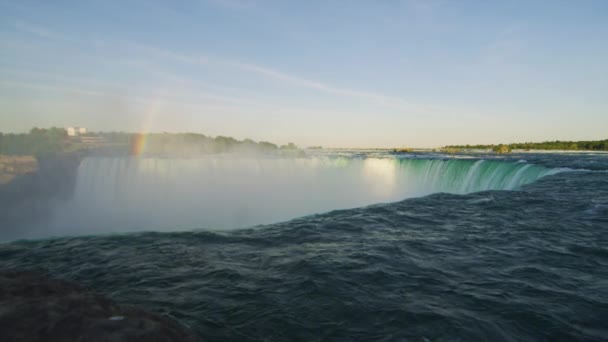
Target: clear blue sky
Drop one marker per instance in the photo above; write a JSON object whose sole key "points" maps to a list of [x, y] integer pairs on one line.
{"points": [[331, 73]]}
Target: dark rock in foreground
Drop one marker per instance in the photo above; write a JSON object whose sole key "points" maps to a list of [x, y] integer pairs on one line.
{"points": [[36, 308]]}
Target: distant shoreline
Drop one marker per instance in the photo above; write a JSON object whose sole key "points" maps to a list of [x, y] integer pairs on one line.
{"points": [[557, 145], [59, 141]]}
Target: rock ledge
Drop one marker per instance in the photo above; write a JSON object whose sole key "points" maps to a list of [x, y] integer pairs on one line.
{"points": [[37, 308]]}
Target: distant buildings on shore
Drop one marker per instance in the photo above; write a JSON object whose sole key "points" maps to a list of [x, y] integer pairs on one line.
{"points": [[80, 134], [76, 131]]}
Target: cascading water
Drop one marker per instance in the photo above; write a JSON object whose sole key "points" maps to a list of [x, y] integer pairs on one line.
{"points": [[224, 192], [465, 176]]}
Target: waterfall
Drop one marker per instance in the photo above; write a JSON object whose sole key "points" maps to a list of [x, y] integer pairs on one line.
{"points": [[224, 192], [465, 176]]}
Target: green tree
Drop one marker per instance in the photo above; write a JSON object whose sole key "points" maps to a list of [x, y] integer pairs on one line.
{"points": [[501, 148], [289, 146]]}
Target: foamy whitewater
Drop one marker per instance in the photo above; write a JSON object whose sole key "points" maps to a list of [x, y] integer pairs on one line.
{"points": [[347, 246]]}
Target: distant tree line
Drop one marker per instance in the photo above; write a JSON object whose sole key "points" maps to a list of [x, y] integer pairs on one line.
{"points": [[37, 142], [55, 140], [595, 145], [191, 143]]}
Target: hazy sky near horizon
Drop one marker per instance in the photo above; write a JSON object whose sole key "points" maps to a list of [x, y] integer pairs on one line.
{"points": [[332, 73]]}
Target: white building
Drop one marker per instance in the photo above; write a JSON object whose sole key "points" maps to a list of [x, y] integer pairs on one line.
{"points": [[76, 131]]}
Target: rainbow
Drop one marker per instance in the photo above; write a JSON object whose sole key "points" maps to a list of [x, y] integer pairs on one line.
{"points": [[138, 144]]}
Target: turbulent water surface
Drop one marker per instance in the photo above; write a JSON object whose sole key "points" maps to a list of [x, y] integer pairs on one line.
{"points": [[496, 249]]}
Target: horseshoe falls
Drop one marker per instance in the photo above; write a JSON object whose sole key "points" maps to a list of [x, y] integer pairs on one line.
{"points": [[227, 192], [338, 246]]}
